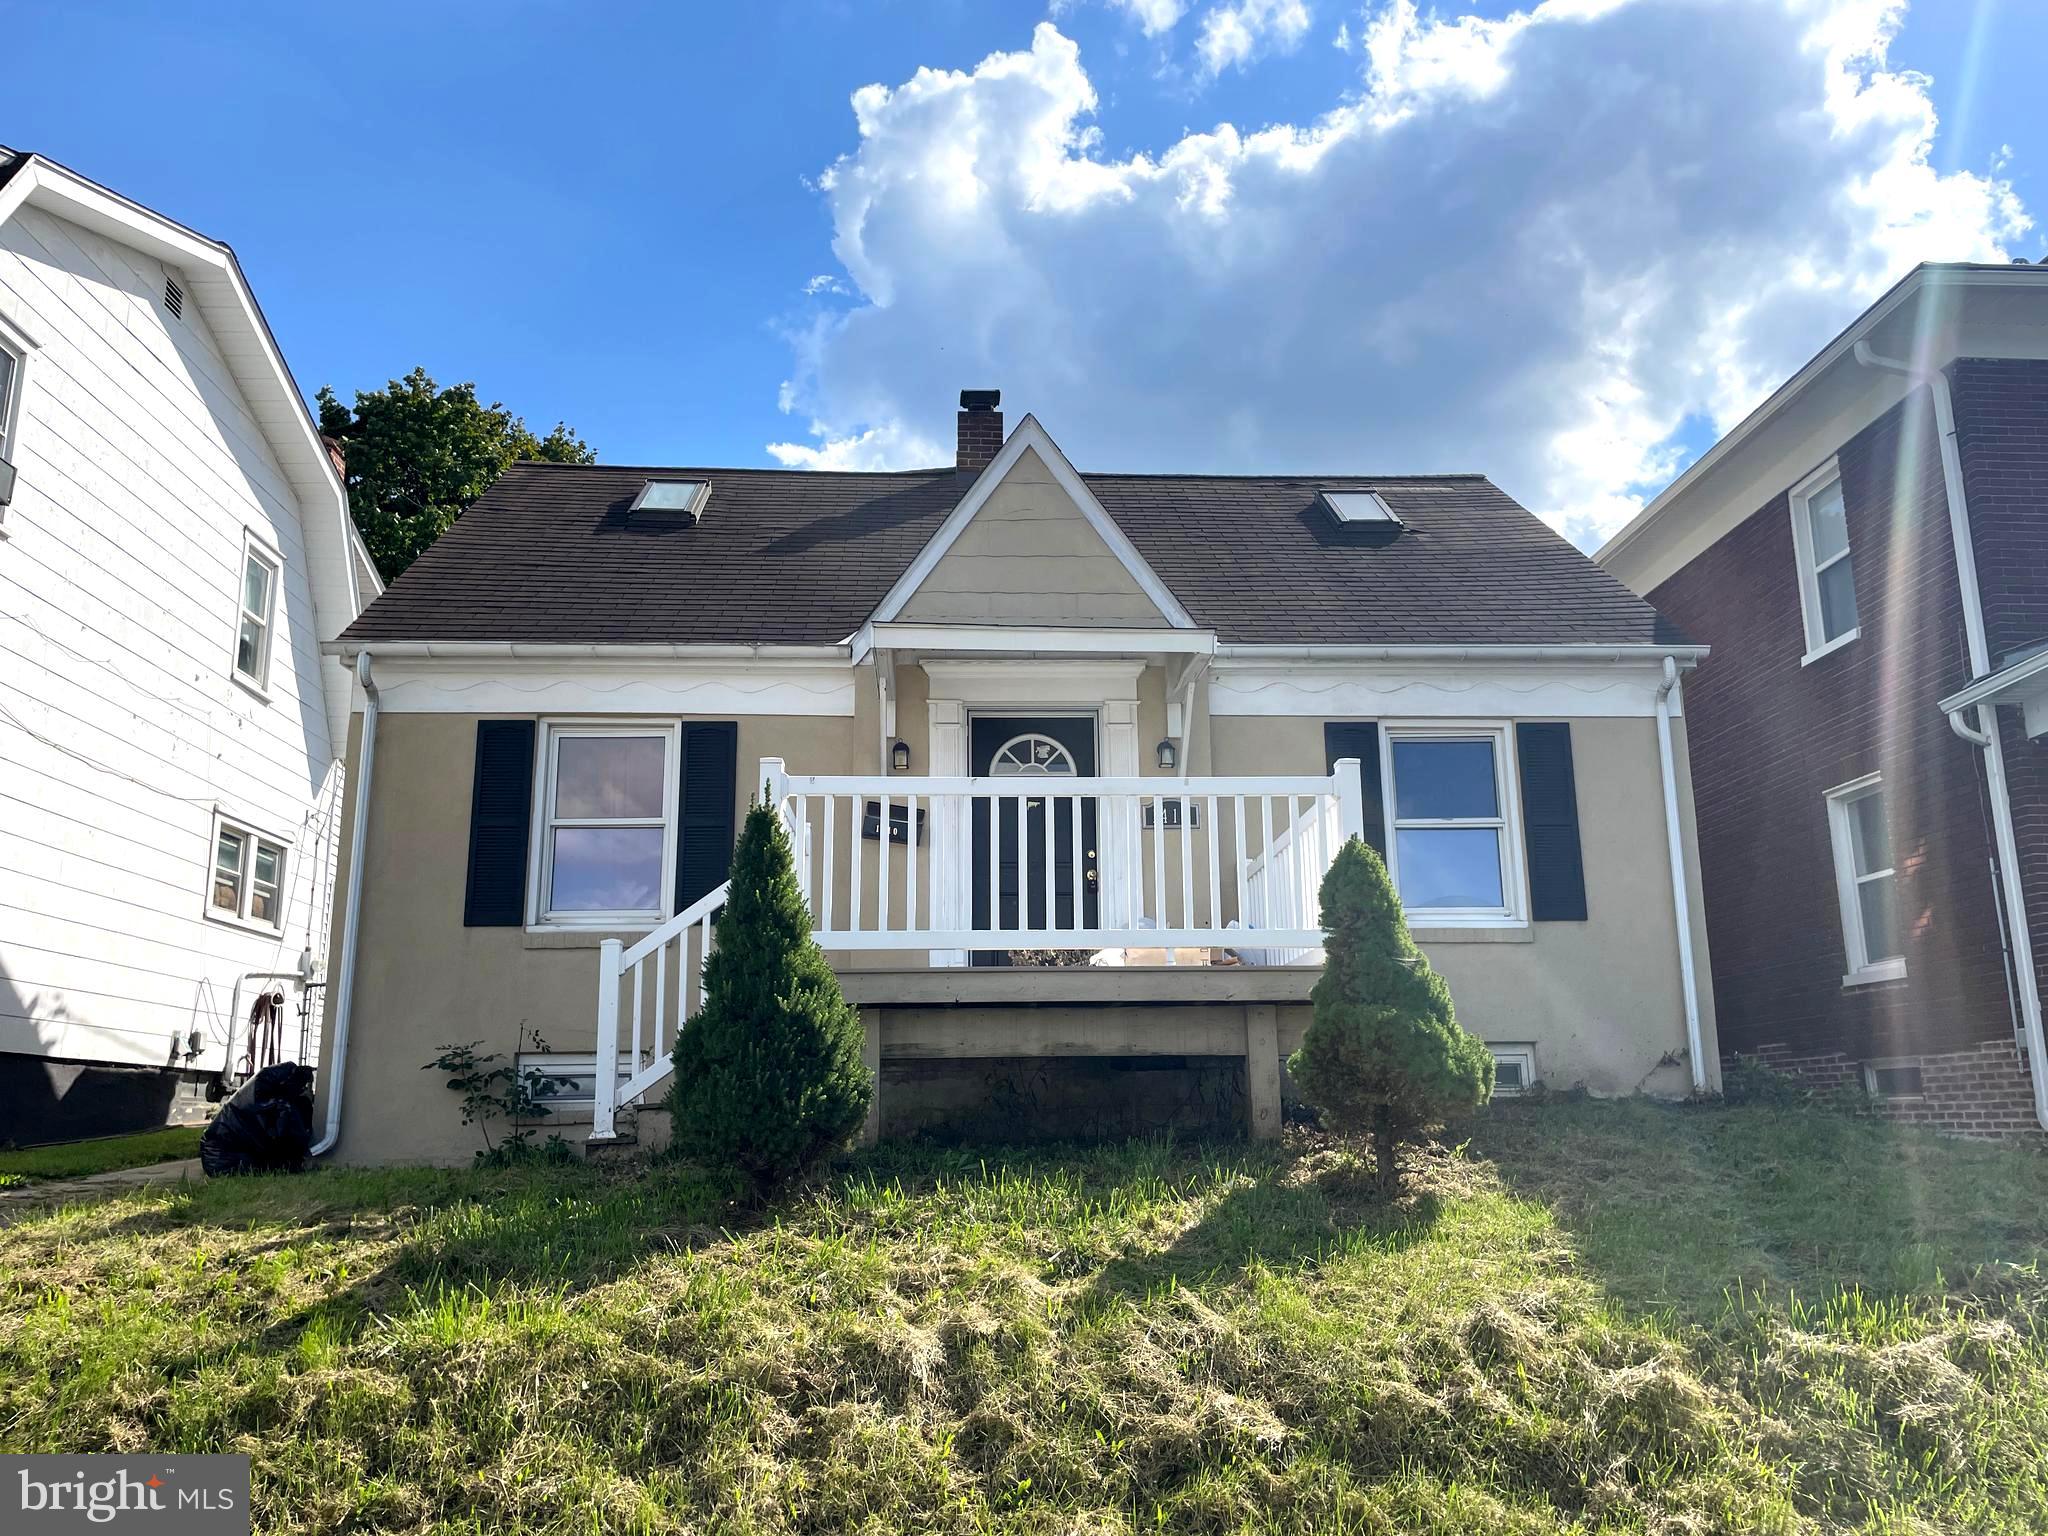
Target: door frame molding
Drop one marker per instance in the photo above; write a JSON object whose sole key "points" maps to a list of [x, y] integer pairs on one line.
{"points": [[1107, 689]]}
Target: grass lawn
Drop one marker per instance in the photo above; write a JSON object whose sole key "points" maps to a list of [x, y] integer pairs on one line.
{"points": [[1592, 1317], [75, 1159]]}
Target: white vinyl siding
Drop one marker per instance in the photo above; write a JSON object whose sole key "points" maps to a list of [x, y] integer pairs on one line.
{"points": [[1453, 837], [141, 475], [1820, 542], [1866, 882]]}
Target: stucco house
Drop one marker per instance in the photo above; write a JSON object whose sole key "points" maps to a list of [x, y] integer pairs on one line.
{"points": [[1867, 554], [1008, 710], [174, 546]]}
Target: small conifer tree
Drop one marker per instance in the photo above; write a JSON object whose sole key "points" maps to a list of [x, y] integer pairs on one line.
{"points": [[769, 1077], [1384, 1051]]}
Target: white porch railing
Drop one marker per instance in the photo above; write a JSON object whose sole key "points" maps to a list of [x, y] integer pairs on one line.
{"points": [[952, 866]]}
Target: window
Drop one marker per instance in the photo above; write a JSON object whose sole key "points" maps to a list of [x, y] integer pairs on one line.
{"points": [[1360, 507], [571, 1079], [1894, 1080], [684, 497], [1453, 860], [12, 366], [606, 844], [1820, 541], [1514, 1069], [1866, 882], [254, 622], [248, 877]]}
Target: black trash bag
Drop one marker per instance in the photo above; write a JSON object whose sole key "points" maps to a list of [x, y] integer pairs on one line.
{"points": [[266, 1127]]}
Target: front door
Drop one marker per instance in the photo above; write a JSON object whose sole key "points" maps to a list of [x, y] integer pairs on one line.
{"points": [[1034, 746]]}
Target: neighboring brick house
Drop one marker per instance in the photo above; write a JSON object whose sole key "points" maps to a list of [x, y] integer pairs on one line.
{"points": [[1867, 556]]}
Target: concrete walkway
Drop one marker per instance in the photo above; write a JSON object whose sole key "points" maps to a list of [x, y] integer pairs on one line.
{"points": [[15, 1204]]}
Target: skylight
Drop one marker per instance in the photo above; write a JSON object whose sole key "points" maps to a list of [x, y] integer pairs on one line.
{"points": [[1360, 507], [685, 496]]}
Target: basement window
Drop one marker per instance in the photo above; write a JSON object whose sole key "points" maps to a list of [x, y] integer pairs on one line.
{"points": [[1514, 1069], [571, 1079], [680, 498], [1886, 1080], [1360, 507]]}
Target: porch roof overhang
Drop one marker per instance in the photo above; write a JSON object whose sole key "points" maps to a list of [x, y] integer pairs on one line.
{"points": [[1027, 642], [2023, 683]]}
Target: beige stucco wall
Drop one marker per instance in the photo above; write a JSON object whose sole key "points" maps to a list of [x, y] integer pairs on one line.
{"points": [[1601, 1000], [1029, 556]]}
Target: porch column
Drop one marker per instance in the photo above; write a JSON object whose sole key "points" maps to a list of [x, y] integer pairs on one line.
{"points": [[1262, 1070]]}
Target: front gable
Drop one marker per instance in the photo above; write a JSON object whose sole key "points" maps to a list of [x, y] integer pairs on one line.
{"points": [[1029, 545]]}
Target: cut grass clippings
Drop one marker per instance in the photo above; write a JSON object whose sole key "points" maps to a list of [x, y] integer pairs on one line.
{"points": [[1592, 1317], [77, 1159]]}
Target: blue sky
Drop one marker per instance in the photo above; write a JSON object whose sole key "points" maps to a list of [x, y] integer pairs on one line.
{"points": [[1548, 249]]}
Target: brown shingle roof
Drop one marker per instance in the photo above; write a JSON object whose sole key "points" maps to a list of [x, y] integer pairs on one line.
{"points": [[803, 557]]}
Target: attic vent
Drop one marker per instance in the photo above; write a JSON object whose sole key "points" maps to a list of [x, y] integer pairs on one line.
{"points": [[174, 298], [676, 498], [1360, 507]]}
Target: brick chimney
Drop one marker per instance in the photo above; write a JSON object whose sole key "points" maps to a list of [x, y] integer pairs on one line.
{"points": [[981, 429]]}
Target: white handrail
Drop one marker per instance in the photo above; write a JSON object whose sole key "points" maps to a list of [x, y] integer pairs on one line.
{"points": [[971, 864]]}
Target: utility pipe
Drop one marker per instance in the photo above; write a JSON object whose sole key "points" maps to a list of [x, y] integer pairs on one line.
{"points": [[345, 983], [1681, 899], [1985, 735]]}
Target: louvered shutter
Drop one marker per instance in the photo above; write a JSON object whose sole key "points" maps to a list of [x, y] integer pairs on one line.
{"points": [[500, 820], [710, 790], [1550, 822]]}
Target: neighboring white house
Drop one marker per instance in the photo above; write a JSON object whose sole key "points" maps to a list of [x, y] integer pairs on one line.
{"points": [[174, 546]]}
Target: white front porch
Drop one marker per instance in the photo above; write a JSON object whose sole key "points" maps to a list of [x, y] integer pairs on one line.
{"points": [[935, 872]]}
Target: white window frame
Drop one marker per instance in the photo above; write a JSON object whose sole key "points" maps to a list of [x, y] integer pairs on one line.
{"points": [[1514, 910], [1873, 1091], [239, 915], [540, 863], [260, 550], [1811, 614], [1525, 1056], [21, 351], [1862, 970]]}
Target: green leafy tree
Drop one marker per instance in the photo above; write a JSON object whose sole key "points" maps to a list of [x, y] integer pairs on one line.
{"points": [[769, 1075], [418, 454], [1384, 1052]]}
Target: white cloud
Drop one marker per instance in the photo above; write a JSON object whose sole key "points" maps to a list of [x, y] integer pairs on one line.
{"points": [[824, 283], [1233, 35], [1152, 16], [1535, 246]]}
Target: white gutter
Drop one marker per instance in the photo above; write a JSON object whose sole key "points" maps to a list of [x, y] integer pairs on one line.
{"points": [[1986, 734], [345, 984], [1681, 898], [1651, 655], [524, 650]]}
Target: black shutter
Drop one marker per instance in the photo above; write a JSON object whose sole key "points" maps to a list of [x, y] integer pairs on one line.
{"points": [[500, 816], [710, 780], [1361, 739], [1550, 822]]}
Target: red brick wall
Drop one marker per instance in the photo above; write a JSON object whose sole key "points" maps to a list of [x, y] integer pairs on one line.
{"points": [[1769, 737], [1983, 1091], [2002, 434]]}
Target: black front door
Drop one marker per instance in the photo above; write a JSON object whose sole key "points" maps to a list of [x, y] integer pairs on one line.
{"points": [[1052, 747]]}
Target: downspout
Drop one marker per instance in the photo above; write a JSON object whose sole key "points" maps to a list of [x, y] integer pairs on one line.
{"points": [[352, 911], [1985, 734], [1681, 899]]}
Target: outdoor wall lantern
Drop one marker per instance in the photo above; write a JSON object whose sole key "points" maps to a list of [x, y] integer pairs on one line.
{"points": [[899, 756], [1168, 758]]}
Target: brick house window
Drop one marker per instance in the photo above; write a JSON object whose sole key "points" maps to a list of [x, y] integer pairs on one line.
{"points": [[1820, 541], [1866, 882]]}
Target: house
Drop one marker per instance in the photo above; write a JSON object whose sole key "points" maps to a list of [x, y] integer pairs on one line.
{"points": [[1867, 554], [1007, 710], [174, 545]]}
